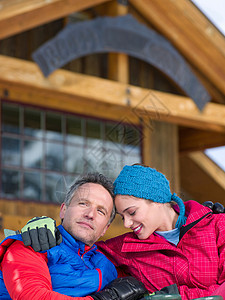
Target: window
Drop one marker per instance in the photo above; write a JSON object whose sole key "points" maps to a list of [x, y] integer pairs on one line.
{"points": [[41, 151]]}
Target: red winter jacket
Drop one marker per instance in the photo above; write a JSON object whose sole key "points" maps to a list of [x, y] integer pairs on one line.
{"points": [[31, 272], [196, 264]]}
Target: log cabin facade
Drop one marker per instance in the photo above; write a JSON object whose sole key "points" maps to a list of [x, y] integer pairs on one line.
{"points": [[108, 108]]}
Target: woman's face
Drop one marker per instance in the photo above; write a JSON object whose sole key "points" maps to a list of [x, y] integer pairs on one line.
{"points": [[140, 215]]}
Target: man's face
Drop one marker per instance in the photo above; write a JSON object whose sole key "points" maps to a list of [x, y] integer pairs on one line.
{"points": [[87, 216]]}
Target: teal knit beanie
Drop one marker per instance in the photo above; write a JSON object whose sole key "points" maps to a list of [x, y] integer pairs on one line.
{"points": [[147, 183]]}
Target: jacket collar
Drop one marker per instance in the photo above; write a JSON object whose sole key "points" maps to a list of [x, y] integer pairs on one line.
{"points": [[131, 243], [195, 211], [73, 243]]}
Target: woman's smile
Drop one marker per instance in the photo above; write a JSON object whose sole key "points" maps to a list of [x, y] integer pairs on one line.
{"points": [[137, 229]]}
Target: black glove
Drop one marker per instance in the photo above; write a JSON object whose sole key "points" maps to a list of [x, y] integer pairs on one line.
{"points": [[217, 207], [124, 288], [41, 233]]}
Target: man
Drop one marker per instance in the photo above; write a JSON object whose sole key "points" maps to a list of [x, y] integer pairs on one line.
{"points": [[75, 268]]}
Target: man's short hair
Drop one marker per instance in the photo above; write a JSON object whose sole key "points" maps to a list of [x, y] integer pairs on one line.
{"points": [[92, 178]]}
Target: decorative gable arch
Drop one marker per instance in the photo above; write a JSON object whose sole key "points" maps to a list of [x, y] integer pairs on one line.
{"points": [[121, 34]]}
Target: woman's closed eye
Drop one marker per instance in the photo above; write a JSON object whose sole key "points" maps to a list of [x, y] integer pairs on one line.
{"points": [[132, 213]]}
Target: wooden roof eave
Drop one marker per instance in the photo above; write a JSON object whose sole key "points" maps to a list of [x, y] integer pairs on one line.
{"points": [[191, 140], [202, 178], [18, 16], [23, 81], [185, 26], [191, 33]]}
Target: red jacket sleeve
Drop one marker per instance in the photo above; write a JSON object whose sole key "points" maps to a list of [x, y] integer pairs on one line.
{"points": [[26, 275]]}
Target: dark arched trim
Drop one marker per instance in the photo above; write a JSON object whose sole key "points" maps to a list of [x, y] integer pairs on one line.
{"points": [[125, 35]]}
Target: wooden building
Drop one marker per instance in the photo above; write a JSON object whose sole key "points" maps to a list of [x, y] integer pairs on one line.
{"points": [[153, 92]]}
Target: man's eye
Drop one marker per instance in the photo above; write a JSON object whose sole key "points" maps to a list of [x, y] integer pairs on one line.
{"points": [[82, 203], [101, 212]]}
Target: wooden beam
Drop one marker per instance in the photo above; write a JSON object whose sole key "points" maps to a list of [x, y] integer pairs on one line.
{"points": [[118, 68], [118, 63], [197, 140], [147, 149], [18, 16], [210, 167], [191, 33], [215, 93], [164, 154], [67, 91], [202, 178]]}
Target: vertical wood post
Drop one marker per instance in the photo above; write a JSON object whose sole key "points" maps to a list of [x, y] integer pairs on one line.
{"points": [[160, 151], [118, 63]]}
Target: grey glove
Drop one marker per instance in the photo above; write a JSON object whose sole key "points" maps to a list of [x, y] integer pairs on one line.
{"points": [[125, 288], [41, 233]]}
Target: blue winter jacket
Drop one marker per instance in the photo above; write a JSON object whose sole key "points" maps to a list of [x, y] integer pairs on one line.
{"points": [[74, 271]]}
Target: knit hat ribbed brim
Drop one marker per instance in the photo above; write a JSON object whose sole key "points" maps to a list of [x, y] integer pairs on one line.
{"points": [[147, 183]]}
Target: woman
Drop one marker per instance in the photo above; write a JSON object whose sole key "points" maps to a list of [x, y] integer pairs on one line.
{"points": [[172, 242]]}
